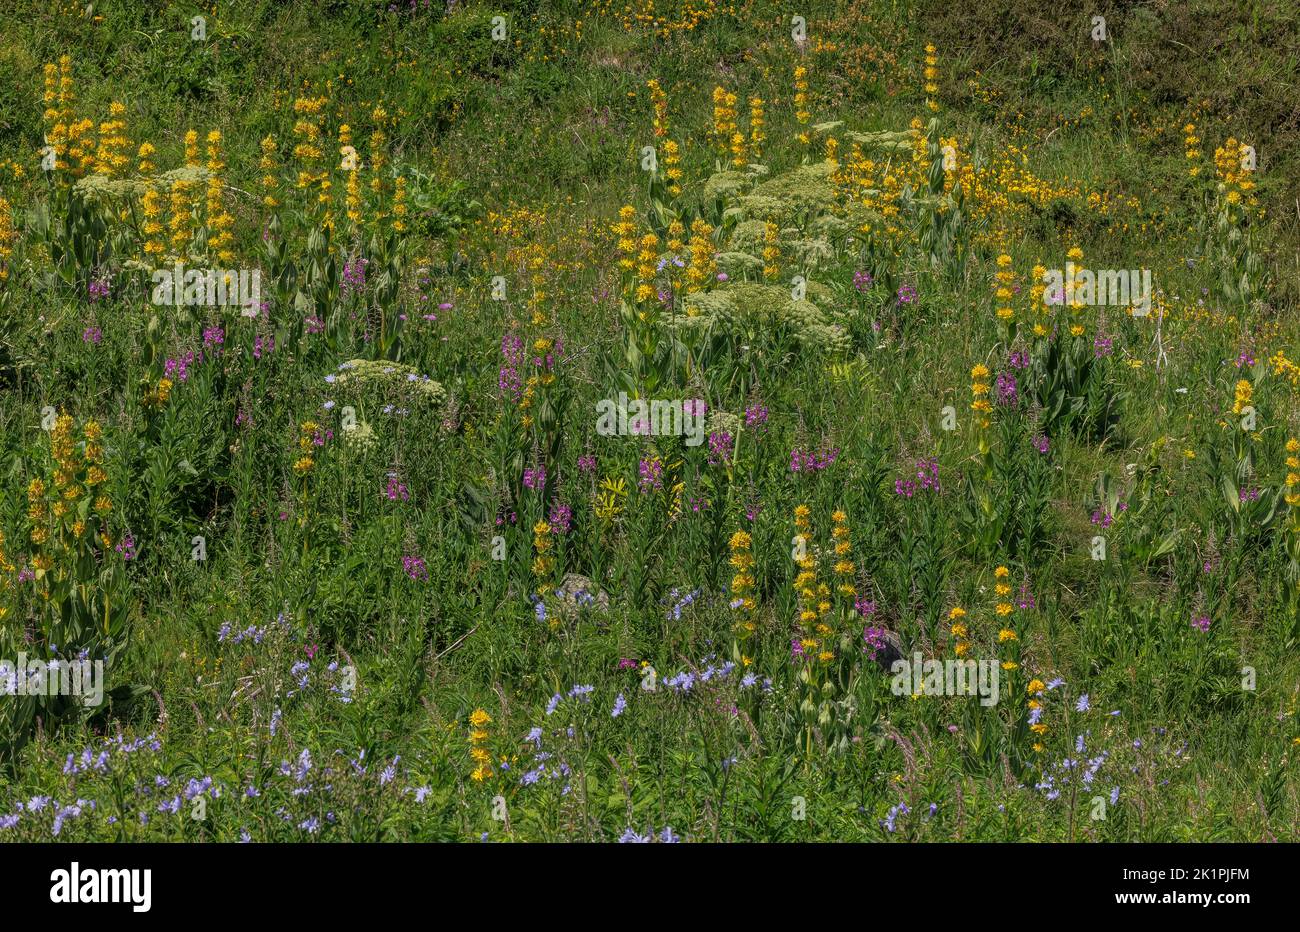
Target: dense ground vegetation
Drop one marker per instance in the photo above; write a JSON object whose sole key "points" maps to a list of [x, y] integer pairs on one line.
{"points": [[362, 561]]}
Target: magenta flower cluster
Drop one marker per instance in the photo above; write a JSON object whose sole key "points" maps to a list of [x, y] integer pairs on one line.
{"points": [[802, 461]]}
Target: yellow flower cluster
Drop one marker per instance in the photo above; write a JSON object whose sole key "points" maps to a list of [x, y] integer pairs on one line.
{"points": [[675, 233], [352, 193], [672, 167], [543, 562], [726, 134], [1034, 690], [958, 629], [801, 113], [1003, 591], [180, 217], [1076, 255], [624, 230], [832, 151], [478, 735], [539, 262], [660, 102], [661, 22], [742, 582], [69, 136], [771, 250], [308, 151], [1003, 610], [53, 115], [979, 389], [219, 220], [7, 236], [805, 583], [1005, 279], [1242, 396], [1235, 183], [1285, 368], [1190, 142], [1002, 194], [844, 567], [878, 186], [306, 434], [399, 206], [931, 77], [5, 569], [58, 512], [702, 268], [647, 256], [151, 207], [814, 596], [1293, 474], [270, 180], [158, 396], [13, 168], [307, 130], [671, 151], [111, 153], [757, 134], [378, 157]]}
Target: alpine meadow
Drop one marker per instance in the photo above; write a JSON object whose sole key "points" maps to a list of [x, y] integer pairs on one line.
{"points": [[649, 421]]}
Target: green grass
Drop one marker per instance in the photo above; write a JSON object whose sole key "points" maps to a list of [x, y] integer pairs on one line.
{"points": [[374, 572]]}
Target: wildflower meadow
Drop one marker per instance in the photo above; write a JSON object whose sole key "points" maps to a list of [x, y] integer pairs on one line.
{"points": [[660, 421]]}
